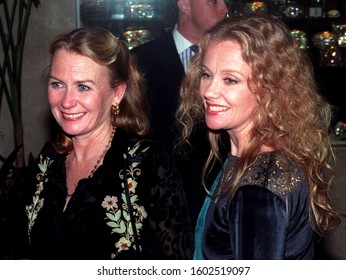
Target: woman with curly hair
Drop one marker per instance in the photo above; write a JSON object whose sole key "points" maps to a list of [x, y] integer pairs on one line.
{"points": [[251, 80]]}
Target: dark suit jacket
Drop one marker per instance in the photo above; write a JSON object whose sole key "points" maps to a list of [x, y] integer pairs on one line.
{"points": [[160, 62], [164, 72]]}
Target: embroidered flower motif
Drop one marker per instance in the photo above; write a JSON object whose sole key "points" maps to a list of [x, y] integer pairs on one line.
{"points": [[131, 184], [142, 213], [110, 202], [123, 244], [118, 217], [37, 203]]}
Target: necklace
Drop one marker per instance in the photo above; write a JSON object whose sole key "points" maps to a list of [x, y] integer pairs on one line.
{"points": [[99, 161]]}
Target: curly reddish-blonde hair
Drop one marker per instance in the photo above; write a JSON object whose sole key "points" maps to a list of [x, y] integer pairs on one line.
{"points": [[291, 116]]}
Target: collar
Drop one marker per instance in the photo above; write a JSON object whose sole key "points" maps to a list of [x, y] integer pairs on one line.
{"points": [[181, 42]]}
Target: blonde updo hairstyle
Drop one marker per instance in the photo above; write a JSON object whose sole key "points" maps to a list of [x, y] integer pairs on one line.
{"points": [[105, 49]]}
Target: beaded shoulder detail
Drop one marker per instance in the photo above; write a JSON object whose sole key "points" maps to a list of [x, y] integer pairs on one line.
{"points": [[275, 171]]}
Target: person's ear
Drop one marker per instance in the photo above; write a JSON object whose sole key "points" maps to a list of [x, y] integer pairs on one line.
{"points": [[119, 93], [184, 6]]}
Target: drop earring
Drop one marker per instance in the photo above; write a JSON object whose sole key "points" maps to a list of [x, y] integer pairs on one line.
{"points": [[115, 109]]}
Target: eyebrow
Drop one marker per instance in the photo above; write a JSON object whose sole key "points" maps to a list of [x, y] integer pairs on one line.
{"points": [[85, 81], [225, 71], [77, 82]]}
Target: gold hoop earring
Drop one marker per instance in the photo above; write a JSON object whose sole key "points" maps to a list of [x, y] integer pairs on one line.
{"points": [[115, 109]]}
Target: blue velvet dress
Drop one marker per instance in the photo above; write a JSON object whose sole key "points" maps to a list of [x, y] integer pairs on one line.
{"points": [[267, 217]]}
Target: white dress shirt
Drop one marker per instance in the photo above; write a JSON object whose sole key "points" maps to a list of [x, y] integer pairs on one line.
{"points": [[183, 47]]}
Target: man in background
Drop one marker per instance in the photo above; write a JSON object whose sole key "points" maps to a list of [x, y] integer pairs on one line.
{"points": [[164, 61]]}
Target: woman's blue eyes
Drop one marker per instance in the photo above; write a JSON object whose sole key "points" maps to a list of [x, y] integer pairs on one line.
{"points": [[83, 88], [57, 85], [229, 81], [205, 75]]}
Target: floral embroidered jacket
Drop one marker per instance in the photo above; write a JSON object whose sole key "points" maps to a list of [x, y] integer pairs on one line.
{"points": [[132, 208]]}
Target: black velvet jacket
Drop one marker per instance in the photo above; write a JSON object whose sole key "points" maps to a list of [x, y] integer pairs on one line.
{"points": [[132, 208], [268, 216]]}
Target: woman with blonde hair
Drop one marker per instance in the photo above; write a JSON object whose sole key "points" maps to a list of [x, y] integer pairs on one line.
{"points": [[250, 80], [103, 191]]}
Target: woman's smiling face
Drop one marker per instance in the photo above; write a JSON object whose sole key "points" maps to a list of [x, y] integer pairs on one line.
{"points": [[79, 93], [228, 100]]}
